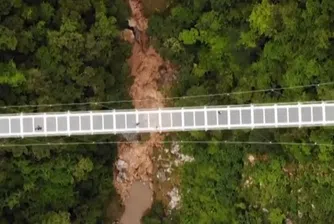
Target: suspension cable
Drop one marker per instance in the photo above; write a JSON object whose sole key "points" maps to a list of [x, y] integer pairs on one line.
{"points": [[169, 98]]}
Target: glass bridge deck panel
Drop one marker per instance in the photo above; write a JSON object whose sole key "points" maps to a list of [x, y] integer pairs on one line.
{"points": [[170, 119]]}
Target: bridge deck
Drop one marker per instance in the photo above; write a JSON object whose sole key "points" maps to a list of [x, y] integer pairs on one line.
{"points": [[167, 119]]}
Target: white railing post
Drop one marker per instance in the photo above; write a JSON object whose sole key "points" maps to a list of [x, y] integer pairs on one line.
{"points": [[194, 116], [276, 115], [148, 120], [311, 107], [44, 125], [91, 122], [68, 123], [252, 116], [79, 116], [137, 121], [217, 116], [21, 124], [240, 117], [56, 117], [299, 115], [9, 126], [33, 124], [126, 120], [114, 121], [182, 118], [323, 106], [264, 115], [160, 120], [102, 116], [205, 118], [228, 117]]}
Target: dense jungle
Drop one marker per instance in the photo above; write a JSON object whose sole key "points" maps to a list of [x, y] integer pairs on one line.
{"points": [[225, 46], [70, 51], [59, 52]]}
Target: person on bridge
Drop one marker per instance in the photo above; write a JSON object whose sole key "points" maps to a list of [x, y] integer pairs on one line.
{"points": [[38, 128]]}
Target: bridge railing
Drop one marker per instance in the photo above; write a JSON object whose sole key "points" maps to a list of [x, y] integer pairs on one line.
{"points": [[167, 119]]}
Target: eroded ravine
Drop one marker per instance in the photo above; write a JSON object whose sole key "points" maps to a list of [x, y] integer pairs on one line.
{"points": [[134, 165]]}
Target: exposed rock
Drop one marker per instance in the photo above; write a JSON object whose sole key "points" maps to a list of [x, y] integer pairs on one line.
{"points": [[161, 175], [132, 22], [288, 221], [180, 158], [248, 182], [140, 166], [165, 165], [300, 214], [251, 159], [137, 34], [174, 158], [177, 162], [162, 70], [174, 198], [137, 20], [131, 137], [186, 158], [121, 165], [121, 177], [175, 148], [169, 170], [128, 36]]}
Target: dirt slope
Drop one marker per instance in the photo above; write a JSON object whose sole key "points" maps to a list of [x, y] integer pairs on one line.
{"points": [[145, 64]]}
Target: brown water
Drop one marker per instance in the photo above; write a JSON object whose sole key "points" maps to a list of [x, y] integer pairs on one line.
{"points": [[139, 200]]}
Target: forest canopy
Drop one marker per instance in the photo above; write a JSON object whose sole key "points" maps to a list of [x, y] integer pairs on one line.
{"points": [[224, 46], [69, 51], [59, 52]]}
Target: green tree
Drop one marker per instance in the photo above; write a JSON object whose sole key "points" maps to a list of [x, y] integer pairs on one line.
{"points": [[57, 218], [8, 40], [59, 52], [10, 75]]}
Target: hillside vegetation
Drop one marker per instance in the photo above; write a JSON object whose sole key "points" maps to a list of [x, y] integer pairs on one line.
{"points": [[69, 51], [237, 45], [55, 52]]}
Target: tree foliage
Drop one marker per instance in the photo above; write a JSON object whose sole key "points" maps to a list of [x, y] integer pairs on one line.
{"points": [[230, 46], [54, 52]]}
